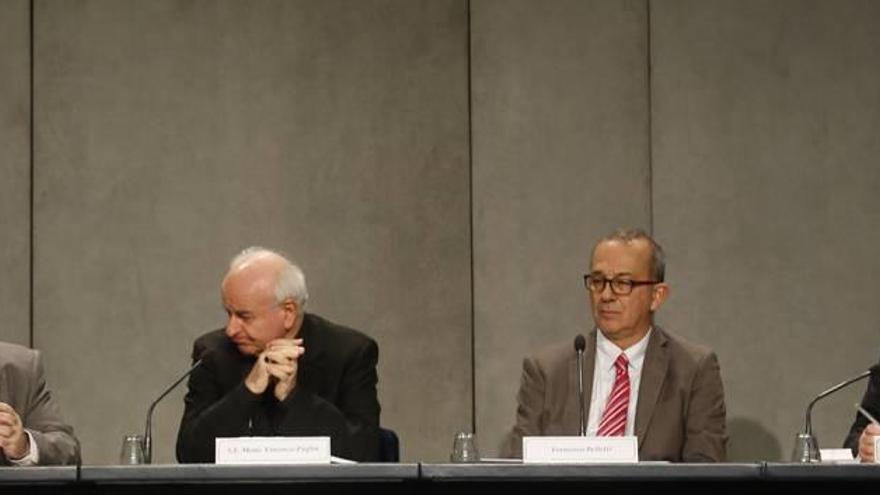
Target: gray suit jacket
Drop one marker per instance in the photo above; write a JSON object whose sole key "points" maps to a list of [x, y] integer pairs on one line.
{"points": [[680, 415], [23, 386]]}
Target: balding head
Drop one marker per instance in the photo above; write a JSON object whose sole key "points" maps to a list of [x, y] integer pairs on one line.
{"points": [[287, 278]]}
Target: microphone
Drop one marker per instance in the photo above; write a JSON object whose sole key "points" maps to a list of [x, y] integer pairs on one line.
{"points": [[148, 430], [579, 344], [807, 446]]}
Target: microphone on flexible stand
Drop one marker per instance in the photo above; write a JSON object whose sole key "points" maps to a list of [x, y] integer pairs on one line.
{"points": [[806, 448], [579, 344], [148, 430]]}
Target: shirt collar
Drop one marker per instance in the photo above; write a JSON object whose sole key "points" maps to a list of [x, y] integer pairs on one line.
{"points": [[608, 350]]}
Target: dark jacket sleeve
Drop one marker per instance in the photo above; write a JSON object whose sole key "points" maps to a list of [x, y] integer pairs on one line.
{"points": [[210, 413], [871, 403], [352, 421]]}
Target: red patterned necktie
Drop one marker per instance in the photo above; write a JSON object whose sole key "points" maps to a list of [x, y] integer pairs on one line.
{"points": [[614, 418]]}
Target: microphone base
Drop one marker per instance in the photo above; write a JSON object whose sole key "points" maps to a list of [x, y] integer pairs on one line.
{"points": [[806, 449]]}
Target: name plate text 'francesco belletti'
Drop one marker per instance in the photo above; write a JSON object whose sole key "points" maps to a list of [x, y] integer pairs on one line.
{"points": [[576, 450]]}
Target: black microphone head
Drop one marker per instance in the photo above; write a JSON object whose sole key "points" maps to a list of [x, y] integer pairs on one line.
{"points": [[580, 343]]}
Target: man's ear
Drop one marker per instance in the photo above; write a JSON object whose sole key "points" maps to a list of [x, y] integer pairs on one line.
{"points": [[291, 312], [659, 296]]}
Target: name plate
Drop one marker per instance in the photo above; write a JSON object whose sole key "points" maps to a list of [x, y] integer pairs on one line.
{"points": [[837, 456], [576, 450], [272, 450], [877, 449]]}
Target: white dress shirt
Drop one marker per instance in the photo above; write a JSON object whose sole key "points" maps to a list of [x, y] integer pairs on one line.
{"points": [[604, 375]]}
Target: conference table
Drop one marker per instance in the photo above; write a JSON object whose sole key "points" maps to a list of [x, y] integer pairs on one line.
{"points": [[445, 478]]}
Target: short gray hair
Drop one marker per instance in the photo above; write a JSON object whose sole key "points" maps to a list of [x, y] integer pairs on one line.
{"points": [[628, 235], [291, 281]]}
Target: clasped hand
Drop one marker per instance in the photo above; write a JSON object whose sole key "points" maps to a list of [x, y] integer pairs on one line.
{"points": [[277, 363], [866, 442], [13, 439]]}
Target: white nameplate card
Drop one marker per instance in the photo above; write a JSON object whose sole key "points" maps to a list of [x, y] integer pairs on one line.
{"points": [[272, 450], [575, 450], [877, 449], [837, 456]]}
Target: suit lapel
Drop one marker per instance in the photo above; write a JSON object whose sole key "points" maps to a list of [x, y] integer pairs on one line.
{"points": [[589, 367], [653, 376]]}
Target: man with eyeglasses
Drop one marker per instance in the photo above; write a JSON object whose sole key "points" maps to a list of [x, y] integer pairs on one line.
{"points": [[638, 379], [276, 370]]}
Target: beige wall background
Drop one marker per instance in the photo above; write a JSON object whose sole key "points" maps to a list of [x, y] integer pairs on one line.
{"points": [[15, 166], [173, 134], [765, 118], [561, 155], [440, 169]]}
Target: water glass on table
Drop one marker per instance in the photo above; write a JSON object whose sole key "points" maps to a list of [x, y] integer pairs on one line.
{"points": [[464, 448], [132, 450]]}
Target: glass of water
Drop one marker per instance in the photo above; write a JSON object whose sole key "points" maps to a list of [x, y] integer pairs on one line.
{"points": [[132, 450], [464, 448]]}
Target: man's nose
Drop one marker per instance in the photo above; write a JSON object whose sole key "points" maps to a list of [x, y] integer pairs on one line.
{"points": [[607, 294], [232, 326]]}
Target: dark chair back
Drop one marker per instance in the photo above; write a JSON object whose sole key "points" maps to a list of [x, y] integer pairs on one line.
{"points": [[389, 446]]}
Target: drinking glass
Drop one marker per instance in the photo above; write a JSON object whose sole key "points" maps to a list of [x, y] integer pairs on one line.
{"points": [[132, 450], [464, 448]]}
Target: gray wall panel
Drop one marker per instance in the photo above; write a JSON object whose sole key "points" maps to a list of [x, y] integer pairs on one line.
{"points": [[174, 133], [560, 138], [765, 173], [15, 171]]}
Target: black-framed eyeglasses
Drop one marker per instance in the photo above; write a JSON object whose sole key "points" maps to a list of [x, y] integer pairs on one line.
{"points": [[619, 286]]}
